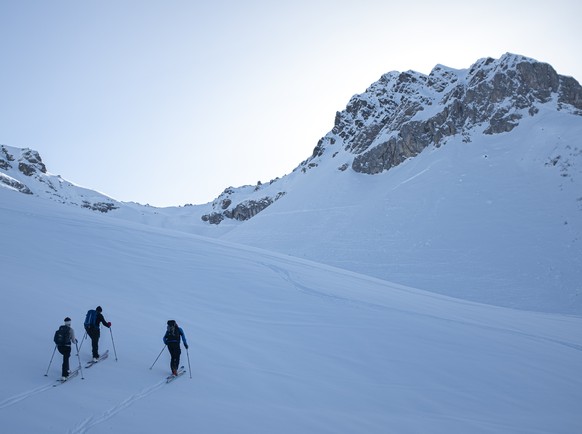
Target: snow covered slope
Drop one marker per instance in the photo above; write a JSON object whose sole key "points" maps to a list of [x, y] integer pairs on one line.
{"points": [[494, 221], [463, 182], [277, 344]]}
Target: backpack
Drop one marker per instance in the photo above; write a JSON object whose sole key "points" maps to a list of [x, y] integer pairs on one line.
{"points": [[91, 318], [172, 334], [63, 336]]}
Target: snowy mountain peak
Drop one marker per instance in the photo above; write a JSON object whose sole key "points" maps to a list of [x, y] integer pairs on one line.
{"points": [[24, 161], [402, 113], [23, 170]]}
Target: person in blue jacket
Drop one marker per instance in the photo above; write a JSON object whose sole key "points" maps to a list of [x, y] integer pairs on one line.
{"points": [[93, 330], [172, 340]]}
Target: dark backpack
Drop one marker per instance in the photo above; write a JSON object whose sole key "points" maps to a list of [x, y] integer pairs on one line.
{"points": [[63, 336], [91, 318], [172, 334]]}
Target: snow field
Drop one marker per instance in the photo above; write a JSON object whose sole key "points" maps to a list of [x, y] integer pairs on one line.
{"points": [[277, 344]]}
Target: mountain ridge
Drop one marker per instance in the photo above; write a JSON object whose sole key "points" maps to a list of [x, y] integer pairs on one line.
{"points": [[394, 119]]}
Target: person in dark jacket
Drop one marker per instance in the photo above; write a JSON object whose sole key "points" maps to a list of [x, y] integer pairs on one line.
{"points": [[65, 349], [94, 332], [172, 340]]}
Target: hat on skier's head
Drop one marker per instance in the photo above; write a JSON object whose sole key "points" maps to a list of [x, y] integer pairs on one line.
{"points": [[99, 309], [67, 321], [171, 322]]}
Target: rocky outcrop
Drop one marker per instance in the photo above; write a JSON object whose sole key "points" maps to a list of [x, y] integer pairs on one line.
{"points": [[248, 209], [213, 218], [5, 158], [31, 163], [99, 206], [24, 171], [13, 183], [241, 211], [403, 113]]}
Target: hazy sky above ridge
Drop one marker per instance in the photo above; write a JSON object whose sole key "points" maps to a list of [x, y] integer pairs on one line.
{"points": [[168, 103]]}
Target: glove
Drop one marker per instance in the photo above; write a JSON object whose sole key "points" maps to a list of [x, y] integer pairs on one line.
{"points": [[108, 324], [186, 346]]}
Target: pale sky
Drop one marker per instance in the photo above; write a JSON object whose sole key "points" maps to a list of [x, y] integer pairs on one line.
{"points": [[170, 102]]}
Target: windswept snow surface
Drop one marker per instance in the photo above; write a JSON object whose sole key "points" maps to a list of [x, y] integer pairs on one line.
{"points": [[277, 344]]}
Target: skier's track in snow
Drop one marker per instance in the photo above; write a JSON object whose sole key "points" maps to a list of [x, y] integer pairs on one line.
{"points": [[22, 396], [90, 422], [286, 276]]}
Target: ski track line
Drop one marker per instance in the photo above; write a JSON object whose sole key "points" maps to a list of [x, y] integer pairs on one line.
{"points": [[17, 398], [285, 275], [91, 421]]}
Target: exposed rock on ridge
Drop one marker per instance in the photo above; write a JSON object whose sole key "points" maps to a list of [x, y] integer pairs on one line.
{"points": [[24, 171], [244, 210], [403, 113]]}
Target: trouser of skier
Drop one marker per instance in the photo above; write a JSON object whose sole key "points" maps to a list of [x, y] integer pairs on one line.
{"points": [[175, 351], [65, 350], [94, 333]]}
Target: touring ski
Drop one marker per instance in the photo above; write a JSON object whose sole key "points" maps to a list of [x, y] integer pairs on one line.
{"points": [[72, 374], [172, 377], [101, 358]]}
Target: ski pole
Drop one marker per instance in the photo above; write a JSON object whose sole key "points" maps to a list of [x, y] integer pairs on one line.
{"points": [[82, 340], [158, 357], [49, 366], [79, 357], [189, 368], [113, 342]]}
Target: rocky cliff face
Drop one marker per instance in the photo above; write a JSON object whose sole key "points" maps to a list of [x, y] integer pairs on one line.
{"points": [[6, 164], [233, 204], [403, 113]]}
